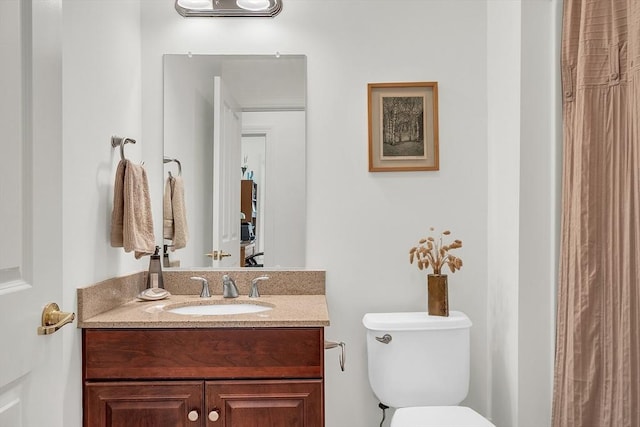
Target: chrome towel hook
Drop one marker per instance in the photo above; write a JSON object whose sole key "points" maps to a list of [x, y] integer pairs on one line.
{"points": [[169, 160], [119, 141]]}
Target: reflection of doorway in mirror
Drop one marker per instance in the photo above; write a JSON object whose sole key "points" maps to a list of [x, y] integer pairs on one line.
{"points": [[254, 151]]}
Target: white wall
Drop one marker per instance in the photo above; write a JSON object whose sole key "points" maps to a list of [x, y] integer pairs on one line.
{"points": [[540, 116], [503, 84], [523, 113], [360, 224], [101, 97]]}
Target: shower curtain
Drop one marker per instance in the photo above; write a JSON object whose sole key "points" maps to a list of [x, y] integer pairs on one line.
{"points": [[597, 365]]}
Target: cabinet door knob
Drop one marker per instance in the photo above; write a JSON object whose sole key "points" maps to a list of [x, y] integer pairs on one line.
{"points": [[214, 415], [193, 415]]}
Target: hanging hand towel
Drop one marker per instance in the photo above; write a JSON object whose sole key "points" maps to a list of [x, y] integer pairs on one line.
{"points": [[175, 216], [180, 229], [117, 215], [132, 222], [167, 211]]}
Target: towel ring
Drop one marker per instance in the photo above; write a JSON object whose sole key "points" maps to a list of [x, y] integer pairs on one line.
{"points": [[169, 160], [119, 141]]}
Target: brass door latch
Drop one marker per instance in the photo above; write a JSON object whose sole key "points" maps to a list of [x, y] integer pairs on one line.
{"points": [[218, 255], [54, 319]]}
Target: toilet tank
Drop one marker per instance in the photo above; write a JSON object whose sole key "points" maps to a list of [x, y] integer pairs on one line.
{"points": [[426, 361]]}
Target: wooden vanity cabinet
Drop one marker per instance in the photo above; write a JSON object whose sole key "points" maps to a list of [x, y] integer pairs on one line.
{"points": [[233, 377], [266, 403], [149, 403]]}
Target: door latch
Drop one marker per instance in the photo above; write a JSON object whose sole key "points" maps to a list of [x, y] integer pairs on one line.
{"points": [[54, 319]]}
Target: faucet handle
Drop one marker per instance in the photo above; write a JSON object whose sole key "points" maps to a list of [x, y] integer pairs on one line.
{"points": [[254, 286], [205, 287]]}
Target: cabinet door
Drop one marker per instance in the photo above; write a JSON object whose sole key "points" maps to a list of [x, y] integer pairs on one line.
{"points": [[287, 403], [144, 404]]}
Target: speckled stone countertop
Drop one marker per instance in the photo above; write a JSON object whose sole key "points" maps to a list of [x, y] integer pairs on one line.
{"points": [[297, 299]]}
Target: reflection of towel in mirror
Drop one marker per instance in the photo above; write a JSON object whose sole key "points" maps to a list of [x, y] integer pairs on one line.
{"points": [[174, 213], [131, 219]]}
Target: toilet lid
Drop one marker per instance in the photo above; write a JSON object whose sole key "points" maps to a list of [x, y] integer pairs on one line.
{"points": [[439, 416]]}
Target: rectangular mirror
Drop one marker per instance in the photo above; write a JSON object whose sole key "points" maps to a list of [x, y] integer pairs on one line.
{"points": [[235, 135]]}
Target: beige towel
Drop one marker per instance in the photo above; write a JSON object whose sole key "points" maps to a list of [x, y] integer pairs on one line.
{"points": [[131, 219], [167, 211], [175, 215], [117, 215]]}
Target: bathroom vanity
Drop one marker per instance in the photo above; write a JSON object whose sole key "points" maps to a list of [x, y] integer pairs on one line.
{"points": [[146, 366], [203, 377]]}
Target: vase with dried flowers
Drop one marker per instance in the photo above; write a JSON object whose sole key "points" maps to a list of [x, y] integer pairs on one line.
{"points": [[432, 252]]}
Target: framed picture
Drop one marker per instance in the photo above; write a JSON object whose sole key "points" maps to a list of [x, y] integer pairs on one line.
{"points": [[403, 126]]}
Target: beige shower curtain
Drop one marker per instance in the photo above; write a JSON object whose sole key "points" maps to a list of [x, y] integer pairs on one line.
{"points": [[597, 367]]}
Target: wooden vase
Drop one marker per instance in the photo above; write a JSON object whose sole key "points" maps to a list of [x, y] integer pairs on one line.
{"points": [[437, 295]]}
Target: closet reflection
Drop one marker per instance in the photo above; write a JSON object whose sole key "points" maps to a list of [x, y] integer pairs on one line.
{"points": [[245, 114]]}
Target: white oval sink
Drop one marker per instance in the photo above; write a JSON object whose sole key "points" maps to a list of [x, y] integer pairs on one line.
{"points": [[218, 309]]}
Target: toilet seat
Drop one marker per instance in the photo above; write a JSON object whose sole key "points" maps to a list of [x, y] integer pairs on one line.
{"points": [[439, 416]]}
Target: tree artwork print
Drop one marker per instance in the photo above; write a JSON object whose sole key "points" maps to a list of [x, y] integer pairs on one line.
{"points": [[403, 127]]}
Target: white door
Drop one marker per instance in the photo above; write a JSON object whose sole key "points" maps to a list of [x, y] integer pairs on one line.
{"points": [[31, 387], [227, 134]]}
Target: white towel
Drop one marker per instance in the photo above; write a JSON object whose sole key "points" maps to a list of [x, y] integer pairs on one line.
{"points": [[131, 218], [175, 215]]}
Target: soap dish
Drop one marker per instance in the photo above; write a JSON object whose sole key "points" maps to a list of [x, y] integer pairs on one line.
{"points": [[153, 294]]}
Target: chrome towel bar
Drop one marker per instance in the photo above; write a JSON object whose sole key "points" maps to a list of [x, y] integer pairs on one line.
{"points": [[343, 351]]}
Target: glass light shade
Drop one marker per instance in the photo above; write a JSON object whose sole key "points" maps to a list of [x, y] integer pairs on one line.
{"points": [[253, 5], [196, 4]]}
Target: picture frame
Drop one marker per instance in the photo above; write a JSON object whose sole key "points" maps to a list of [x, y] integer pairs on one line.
{"points": [[403, 126]]}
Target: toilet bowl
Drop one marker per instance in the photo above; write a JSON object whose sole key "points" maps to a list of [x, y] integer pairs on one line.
{"points": [[419, 364], [439, 416]]}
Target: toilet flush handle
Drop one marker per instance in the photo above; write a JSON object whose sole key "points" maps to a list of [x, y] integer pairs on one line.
{"points": [[385, 339]]}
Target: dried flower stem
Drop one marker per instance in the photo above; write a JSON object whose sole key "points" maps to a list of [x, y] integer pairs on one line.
{"points": [[435, 254]]}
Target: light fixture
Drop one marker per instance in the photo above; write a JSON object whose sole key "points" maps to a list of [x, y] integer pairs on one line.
{"points": [[190, 8]]}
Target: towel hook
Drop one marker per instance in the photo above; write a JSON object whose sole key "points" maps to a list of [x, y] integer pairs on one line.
{"points": [[119, 141], [169, 160]]}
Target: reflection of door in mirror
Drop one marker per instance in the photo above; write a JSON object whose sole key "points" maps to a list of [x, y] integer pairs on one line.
{"points": [[227, 134], [272, 110]]}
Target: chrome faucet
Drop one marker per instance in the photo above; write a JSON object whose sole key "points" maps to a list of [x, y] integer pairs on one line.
{"points": [[205, 287], [229, 288], [254, 286]]}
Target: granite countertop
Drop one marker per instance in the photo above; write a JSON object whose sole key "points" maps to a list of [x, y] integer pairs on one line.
{"points": [[296, 298], [287, 311]]}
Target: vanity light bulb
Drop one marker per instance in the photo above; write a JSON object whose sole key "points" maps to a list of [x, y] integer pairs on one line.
{"points": [[253, 5], [196, 4]]}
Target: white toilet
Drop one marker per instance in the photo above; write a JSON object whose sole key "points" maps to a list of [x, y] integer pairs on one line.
{"points": [[419, 364]]}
